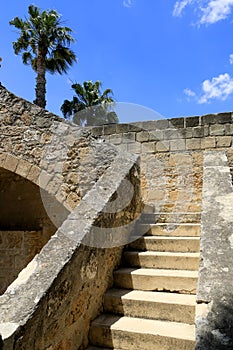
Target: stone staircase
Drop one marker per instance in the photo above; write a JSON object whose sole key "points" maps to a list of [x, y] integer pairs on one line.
{"points": [[152, 305]]}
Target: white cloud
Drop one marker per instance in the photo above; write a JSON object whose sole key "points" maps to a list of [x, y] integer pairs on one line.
{"points": [[180, 6], [210, 11], [218, 88], [231, 58], [128, 3], [189, 93], [215, 11]]}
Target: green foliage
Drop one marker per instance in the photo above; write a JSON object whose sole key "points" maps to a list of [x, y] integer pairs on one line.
{"points": [[44, 44], [90, 106]]}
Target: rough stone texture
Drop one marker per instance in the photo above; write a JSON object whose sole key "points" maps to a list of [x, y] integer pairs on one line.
{"points": [[68, 279], [215, 321], [17, 249], [21, 206], [48, 151], [57, 294], [195, 133], [22, 211]]}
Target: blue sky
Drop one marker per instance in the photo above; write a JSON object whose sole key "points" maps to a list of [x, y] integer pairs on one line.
{"points": [[175, 57]]}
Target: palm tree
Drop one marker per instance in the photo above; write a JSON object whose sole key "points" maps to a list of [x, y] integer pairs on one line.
{"points": [[45, 46], [90, 106]]}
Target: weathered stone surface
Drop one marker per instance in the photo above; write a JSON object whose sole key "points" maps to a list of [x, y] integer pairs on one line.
{"points": [[192, 122], [162, 146], [148, 147], [35, 141], [135, 147], [208, 142], [217, 130], [198, 131], [224, 141], [142, 136], [193, 144], [70, 301], [177, 145], [176, 122], [220, 118], [214, 325]]}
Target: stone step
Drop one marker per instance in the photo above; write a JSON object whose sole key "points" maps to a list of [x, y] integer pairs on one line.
{"points": [[95, 348], [166, 244], [152, 305], [137, 333], [181, 281], [172, 229], [162, 260], [167, 217]]}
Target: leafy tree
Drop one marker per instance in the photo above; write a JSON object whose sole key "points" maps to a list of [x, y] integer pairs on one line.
{"points": [[44, 44], [90, 106]]}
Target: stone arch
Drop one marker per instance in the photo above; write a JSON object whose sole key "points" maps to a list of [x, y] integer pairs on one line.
{"points": [[25, 223], [30, 172]]}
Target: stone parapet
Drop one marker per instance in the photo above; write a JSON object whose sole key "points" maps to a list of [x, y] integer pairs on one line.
{"points": [[169, 135]]}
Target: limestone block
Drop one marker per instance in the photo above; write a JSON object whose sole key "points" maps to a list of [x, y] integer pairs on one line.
{"points": [[33, 174], [128, 137], [217, 130], [224, 141], [162, 146], [192, 144], [135, 147], [192, 121], [23, 168], [228, 129], [116, 139], [11, 162], [148, 147], [44, 179], [171, 134], [176, 123], [177, 145], [198, 131], [156, 135], [122, 128], [142, 136], [208, 142]]}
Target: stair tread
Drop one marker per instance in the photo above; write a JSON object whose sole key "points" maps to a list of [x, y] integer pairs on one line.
{"points": [[147, 296], [157, 272], [175, 238], [174, 213], [96, 348], [144, 326], [157, 253], [164, 238], [173, 224]]}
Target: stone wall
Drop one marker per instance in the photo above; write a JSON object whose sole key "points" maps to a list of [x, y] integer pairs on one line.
{"points": [[52, 162], [21, 206], [24, 225], [171, 154], [67, 279], [171, 135], [78, 172], [48, 151]]}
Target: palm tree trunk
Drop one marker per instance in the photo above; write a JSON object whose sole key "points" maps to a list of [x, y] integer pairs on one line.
{"points": [[40, 82]]}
